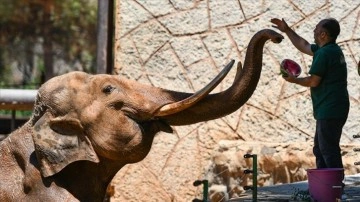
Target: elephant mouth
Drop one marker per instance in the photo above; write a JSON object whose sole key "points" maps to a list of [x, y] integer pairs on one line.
{"points": [[154, 126], [151, 126]]}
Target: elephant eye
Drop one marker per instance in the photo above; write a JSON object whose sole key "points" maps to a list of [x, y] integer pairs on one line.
{"points": [[108, 89]]}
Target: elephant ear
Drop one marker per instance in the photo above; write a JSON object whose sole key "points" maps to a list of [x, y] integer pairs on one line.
{"points": [[59, 142]]}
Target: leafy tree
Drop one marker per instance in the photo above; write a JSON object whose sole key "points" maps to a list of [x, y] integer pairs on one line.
{"points": [[35, 34]]}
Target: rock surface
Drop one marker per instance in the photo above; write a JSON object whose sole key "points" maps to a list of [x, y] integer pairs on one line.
{"points": [[182, 45]]}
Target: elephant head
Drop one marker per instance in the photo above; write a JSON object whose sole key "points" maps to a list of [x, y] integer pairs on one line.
{"points": [[78, 116], [111, 121]]}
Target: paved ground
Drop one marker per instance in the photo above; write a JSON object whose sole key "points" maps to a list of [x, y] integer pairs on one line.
{"points": [[285, 192]]}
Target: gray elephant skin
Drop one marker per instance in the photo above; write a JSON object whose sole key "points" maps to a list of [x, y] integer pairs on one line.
{"points": [[85, 128]]}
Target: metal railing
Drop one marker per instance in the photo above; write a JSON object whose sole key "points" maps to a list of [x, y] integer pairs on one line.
{"points": [[15, 99]]}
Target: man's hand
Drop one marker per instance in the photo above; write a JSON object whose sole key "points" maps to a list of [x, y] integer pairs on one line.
{"points": [[300, 43], [289, 77], [280, 24]]}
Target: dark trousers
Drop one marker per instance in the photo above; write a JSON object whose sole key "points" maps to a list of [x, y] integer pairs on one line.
{"points": [[327, 143]]}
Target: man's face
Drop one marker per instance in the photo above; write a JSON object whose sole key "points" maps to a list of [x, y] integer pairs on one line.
{"points": [[319, 33]]}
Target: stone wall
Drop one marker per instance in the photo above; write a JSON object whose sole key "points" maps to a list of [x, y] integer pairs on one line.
{"points": [[182, 45]]}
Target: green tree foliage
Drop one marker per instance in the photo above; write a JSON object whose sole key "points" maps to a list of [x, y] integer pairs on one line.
{"points": [[37, 34]]}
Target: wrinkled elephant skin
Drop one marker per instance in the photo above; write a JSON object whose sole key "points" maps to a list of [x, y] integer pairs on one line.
{"points": [[85, 128]]}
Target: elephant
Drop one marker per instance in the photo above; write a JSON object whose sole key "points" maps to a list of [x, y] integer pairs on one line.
{"points": [[84, 128]]}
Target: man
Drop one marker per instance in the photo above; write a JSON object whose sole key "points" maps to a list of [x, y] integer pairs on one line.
{"points": [[328, 87]]}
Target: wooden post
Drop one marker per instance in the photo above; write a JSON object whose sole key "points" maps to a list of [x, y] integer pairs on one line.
{"points": [[105, 37]]}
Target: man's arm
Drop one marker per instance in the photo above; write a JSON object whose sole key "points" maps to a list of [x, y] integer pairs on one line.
{"points": [[300, 43]]}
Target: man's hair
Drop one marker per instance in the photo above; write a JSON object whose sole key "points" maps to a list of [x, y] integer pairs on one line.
{"points": [[332, 27]]}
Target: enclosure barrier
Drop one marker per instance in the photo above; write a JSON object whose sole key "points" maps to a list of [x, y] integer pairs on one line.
{"points": [[254, 176], [15, 99], [356, 149], [205, 190]]}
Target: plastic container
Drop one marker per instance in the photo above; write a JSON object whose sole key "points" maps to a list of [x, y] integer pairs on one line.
{"points": [[325, 185]]}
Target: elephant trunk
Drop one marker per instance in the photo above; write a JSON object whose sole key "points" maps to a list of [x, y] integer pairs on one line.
{"points": [[246, 79], [223, 103]]}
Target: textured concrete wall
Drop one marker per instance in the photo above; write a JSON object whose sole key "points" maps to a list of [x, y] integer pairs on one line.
{"points": [[182, 45]]}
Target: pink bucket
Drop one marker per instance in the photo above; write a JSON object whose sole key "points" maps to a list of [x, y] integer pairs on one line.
{"points": [[325, 185]]}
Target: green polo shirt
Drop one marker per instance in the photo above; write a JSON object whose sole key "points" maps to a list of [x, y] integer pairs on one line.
{"points": [[330, 98]]}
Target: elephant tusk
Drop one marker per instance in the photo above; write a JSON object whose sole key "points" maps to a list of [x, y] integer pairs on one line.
{"points": [[175, 107]]}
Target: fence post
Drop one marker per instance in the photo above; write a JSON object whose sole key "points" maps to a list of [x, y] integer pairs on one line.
{"points": [[254, 176], [205, 190], [357, 149]]}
